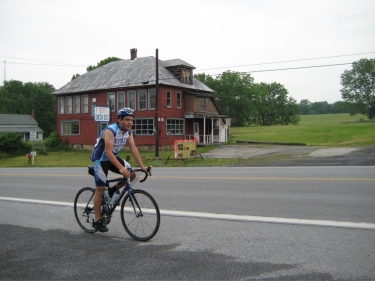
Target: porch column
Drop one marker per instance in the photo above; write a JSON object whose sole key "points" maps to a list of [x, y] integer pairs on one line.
{"points": [[204, 130], [212, 130]]}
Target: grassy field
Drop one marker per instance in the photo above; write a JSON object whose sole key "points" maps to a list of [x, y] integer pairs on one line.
{"points": [[325, 129], [333, 130]]}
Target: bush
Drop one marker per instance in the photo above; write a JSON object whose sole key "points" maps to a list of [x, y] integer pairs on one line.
{"points": [[11, 143], [53, 141]]}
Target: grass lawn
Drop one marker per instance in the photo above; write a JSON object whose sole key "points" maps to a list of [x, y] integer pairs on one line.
{"points": [[324, 129], [315, 130]]}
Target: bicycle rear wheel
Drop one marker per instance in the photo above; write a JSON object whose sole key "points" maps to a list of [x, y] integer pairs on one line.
{"points": [[84, 209], [140, 215]]}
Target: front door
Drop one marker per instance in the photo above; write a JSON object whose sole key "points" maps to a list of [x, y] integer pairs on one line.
{"points": [[196, 131]]}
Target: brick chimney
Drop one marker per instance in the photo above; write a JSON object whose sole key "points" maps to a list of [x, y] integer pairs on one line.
{"points": [[133, 54], [33, 113]]}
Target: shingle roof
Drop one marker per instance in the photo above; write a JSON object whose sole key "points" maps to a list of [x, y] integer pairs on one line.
{"points": [[130, 73], [18, 123]]}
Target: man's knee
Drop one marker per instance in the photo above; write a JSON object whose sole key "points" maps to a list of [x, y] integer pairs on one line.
{"points": [[100, 189]]}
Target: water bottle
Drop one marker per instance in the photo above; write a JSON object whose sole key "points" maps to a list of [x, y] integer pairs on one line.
{"points": [[106, 197], [114, 197]]}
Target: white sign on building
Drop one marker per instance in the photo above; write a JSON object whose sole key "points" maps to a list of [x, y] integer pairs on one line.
{"points": [[101, 113]]}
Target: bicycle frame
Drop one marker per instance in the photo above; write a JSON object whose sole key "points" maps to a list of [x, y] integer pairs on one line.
{"points": [[127, 189]]}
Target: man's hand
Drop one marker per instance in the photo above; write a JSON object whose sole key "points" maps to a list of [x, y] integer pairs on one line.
{"points": [[123, 171], [145, 169]]}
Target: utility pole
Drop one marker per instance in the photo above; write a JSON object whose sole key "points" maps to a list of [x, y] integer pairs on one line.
{"points": [[156, 104], [5, 71]]}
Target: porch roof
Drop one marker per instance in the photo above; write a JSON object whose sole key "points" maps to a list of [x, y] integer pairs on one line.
{"points": [[209, 115]]}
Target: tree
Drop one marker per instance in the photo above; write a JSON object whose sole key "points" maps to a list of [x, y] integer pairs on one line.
{"points": [[234, 92], [101, 63], [273, 106], [304, 107], [359, 87]]}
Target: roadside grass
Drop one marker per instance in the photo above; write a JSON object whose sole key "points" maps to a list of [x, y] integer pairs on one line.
{"points": [[314, 130], [332, 130]]}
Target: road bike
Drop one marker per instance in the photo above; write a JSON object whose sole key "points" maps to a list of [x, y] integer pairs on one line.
{"points": [[140, 214]]}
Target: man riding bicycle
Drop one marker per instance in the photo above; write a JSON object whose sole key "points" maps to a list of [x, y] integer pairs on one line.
{"points": [[111, 140]]}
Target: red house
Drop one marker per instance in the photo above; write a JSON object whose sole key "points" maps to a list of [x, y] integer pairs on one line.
{"points": [[186, 107]]}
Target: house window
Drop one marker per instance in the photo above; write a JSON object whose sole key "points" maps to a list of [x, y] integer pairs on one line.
{"points": [[169, 99], [131, 100], [76, 104], [70, 128], [143, 126], [111, 101], [120, 100], [178, 100], [203, 104], [85, 104], [61, 105], [175, 126], [101, 127], [142, 100], [68, 101], [93, 104], [151, 99]]}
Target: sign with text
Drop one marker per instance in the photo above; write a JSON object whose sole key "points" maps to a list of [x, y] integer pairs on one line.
{"points": [[185, 149], [101, 114]]}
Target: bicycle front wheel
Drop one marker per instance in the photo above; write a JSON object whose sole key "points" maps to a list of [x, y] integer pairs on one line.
{"points": [[84, 209], [140, 215]]}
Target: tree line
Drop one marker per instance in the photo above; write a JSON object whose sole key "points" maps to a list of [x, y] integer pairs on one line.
{"points": [[264, 104], [17, 97], [249, 103], [305, 107]]}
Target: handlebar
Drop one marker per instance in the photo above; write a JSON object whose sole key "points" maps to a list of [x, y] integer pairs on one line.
{"points": [[140, 170]]}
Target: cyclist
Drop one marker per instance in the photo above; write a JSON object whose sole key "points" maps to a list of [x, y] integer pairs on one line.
{"points": [[105, 158]]}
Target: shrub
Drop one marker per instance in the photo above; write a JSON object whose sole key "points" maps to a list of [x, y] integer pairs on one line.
{"points": [[11, 143], [53, 141]]}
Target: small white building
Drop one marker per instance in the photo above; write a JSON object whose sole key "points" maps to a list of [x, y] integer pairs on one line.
{"points": [[21, 124]]}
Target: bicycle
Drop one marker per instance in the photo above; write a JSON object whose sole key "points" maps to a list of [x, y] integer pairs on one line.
{"points": [[140, 213]]}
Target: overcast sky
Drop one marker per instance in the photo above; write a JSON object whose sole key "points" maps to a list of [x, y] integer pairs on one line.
{"points": [[50, 40]]}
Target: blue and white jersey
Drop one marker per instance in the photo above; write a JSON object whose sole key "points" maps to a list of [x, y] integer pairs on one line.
{"points": [[120, 140]]}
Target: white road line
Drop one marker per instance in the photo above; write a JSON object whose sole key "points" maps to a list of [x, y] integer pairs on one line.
{"points": [[358, 225]]}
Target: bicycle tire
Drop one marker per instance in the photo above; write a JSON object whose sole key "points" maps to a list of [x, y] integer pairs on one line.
{"points": [[84, 209], [144, 224]]}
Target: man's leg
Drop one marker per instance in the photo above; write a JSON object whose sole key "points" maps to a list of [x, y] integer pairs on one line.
{"points": [[100, 179], [98, 197]]}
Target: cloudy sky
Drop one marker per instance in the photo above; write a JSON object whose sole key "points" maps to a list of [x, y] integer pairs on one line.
{"points": [[297, 43]]}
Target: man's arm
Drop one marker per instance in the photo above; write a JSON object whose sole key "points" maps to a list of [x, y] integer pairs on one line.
{"points": [[135, 152]]}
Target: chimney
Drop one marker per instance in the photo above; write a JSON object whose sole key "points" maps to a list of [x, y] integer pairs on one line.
{"points": [[33, 113], [133, 54]]}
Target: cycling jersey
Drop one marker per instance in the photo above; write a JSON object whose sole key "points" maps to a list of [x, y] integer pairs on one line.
{"points": [[120, 140]]}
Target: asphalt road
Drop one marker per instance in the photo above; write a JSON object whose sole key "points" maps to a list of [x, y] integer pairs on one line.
{"points": [[275, 223]]}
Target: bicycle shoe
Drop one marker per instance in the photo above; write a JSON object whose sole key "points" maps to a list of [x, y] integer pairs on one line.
{"points": [[99, 226]]}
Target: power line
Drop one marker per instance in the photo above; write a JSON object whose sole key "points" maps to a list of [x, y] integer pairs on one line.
{"points": [[292, 68], [288, 61]]}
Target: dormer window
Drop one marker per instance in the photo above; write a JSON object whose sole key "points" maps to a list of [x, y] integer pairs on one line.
{"points": [[183, 71]]}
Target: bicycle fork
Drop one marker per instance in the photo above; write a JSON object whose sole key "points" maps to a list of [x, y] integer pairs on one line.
{"points": [[135, 205]]}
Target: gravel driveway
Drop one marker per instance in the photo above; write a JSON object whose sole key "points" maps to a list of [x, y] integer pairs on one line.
{"points": [[285, 155]]}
